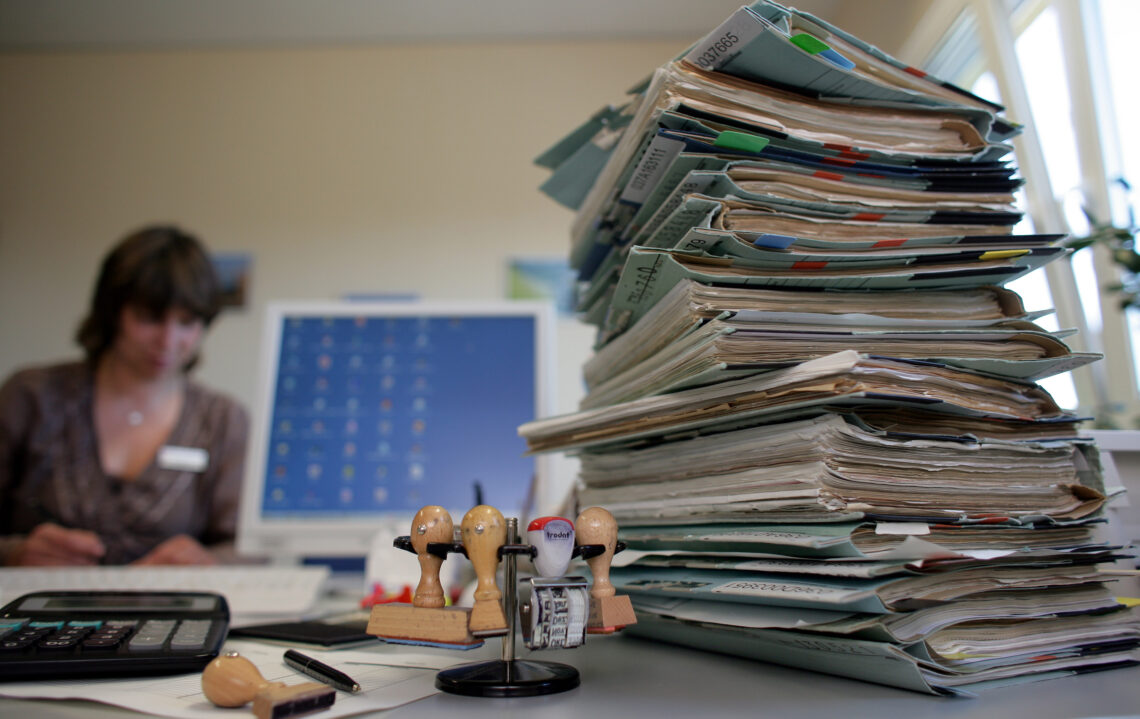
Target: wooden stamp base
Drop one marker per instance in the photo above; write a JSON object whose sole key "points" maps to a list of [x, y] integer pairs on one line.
{"points": [[610, 614], [407, 623], [294, 700], [487, 619]]}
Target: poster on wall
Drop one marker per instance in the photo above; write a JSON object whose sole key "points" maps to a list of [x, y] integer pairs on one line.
{"points": [[542, 278], [233, 271]]}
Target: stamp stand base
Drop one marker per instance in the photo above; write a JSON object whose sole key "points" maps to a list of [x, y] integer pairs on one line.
{"points": [[514, 678]]}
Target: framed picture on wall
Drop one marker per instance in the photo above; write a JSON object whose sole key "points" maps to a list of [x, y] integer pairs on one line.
{"points": [[542, 278], [233, 271]]}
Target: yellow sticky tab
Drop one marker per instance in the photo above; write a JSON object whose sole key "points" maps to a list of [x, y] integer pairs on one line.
{"points": [[1128, 601], [1003, 254]]}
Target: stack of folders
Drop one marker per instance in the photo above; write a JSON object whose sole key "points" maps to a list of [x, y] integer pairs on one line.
{"points": [[812, 406]]}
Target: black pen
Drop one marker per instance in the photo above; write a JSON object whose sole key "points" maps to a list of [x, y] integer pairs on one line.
{"points": [[321, 672]]}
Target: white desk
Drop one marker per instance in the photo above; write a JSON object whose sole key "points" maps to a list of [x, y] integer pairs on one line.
{"points": [[629, 677]]}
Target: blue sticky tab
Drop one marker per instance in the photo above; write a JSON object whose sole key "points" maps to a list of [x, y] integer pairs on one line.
{"points": [[776, 242], [836, 59]]}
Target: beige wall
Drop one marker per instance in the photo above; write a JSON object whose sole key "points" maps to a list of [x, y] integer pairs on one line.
{"points": [[339, 170], [368, 169]]}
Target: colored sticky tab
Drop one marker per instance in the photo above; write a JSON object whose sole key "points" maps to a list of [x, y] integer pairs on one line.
{"points": [[1128, 601], [814, 46], [731, 140], [778, 242], [1002, 254], [809, 43]]}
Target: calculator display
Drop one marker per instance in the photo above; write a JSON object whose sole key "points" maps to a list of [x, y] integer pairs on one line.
{"points": [[113, 602]]}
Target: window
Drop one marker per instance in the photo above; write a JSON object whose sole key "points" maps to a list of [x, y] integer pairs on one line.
{"points": [[1062, 68]]}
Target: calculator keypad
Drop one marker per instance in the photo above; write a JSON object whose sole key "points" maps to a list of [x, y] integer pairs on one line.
{"points": [[108, 636], [20, 636]]}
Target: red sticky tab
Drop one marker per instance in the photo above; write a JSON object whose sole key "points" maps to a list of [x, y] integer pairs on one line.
{"points": [[828, 175], [869, 216], [889, 243], [846, 151], [914, 71], [838, 161], [809, 265]]}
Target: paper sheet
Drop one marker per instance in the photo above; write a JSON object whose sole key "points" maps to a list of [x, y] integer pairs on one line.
{"points": [[403, 677]]}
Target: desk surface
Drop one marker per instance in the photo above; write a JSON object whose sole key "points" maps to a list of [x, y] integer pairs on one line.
{"points": [[631, 677]]}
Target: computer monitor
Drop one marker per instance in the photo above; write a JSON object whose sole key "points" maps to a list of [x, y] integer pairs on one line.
{"points": [[369, 411]]}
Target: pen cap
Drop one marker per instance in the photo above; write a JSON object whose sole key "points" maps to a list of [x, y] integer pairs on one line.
{"points": [[553, 538]]}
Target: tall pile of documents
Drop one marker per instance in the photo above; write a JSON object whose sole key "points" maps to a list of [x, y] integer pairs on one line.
{"points": [[812, 406]]}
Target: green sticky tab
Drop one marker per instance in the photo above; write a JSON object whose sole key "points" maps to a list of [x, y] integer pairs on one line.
{"points": [[809, 44], [731, 140]]}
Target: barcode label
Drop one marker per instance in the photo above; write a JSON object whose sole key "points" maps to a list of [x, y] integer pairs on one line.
{"points": [[725, 43]]}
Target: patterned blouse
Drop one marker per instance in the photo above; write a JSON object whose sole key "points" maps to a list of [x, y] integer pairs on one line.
{"points": [[50, 468]]}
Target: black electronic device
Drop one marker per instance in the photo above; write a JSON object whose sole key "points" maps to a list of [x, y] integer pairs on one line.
{"points": [[315, 633], [64, 634]]}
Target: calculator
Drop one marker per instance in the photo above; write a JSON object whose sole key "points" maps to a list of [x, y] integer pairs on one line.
{"points": [[80, 634]]}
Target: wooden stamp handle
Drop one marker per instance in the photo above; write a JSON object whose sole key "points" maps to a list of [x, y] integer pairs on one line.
{"points": [[431, 524], [231, 680], [597, 526], [484, 530]]}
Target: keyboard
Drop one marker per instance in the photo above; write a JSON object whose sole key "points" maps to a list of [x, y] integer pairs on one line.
{"points": [[249, 590]]}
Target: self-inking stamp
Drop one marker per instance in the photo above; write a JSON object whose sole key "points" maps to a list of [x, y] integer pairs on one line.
{"points": [[553, 541], [557, 616]]}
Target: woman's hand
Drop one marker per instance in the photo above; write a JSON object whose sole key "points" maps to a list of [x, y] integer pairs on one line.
{"points": [[179, 549], [51, 544]]}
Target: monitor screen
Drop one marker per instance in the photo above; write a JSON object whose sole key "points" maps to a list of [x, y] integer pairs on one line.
{"points": [[370, 411]]}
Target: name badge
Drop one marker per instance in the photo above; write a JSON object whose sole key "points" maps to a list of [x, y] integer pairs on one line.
{"points": [[183, 459]]}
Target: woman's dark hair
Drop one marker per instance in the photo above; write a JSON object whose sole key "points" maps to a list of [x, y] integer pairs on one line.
{"points": [[156, 269]]}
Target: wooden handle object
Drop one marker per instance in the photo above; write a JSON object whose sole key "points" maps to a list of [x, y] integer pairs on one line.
{"points": [[597, 526], [484, 530], [231, 680], [431, 524]]}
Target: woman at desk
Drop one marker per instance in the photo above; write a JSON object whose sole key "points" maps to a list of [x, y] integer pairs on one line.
{"points": [[121, 458]]}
